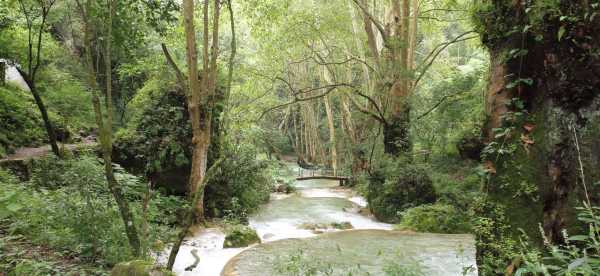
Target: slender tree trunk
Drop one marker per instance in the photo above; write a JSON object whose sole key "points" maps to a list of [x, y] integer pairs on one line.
{"points": [[105, 126], [332, 140], [2, 73], [34, 65], [47, 123]]}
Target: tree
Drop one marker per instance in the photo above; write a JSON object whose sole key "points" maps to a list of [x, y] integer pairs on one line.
{"points": [[104, 117], [35, 11], [541, 99], [201, 92]]}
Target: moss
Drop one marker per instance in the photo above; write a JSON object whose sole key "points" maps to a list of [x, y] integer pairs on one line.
{"points": [[240, 236], [139, 268]]}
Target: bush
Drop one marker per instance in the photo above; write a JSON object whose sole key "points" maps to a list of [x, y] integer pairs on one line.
{"points": [[21, 126], [435, 218], [240, 236], [580, 255], [395, 186], [240, 185], [75, 213]]}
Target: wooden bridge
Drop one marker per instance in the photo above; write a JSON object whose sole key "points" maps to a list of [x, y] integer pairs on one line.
{"points": [[304, 174]]}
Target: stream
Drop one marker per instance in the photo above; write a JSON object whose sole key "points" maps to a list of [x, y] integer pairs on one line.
{"points": [[286, 226]]}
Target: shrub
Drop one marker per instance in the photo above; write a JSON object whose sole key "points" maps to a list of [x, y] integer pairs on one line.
{"points": [[496, 246], [435, 218], [395, 186], [240, 185], [77, 214], [21, 126], [580, 255], [240, 236]]}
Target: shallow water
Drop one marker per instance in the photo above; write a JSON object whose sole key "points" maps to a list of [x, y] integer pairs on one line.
{"points": [[279, 224], [374, 250]]}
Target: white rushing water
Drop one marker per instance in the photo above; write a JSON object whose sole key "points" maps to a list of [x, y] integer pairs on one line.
{"points": [[319, 202]]}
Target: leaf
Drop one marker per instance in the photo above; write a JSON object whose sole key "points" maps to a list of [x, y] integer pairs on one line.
{"points": [[575, 264], [578, 238], [14, 207], [561, 32]]}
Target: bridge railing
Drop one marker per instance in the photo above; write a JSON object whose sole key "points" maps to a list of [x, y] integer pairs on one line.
{"points": [[318, 172]]}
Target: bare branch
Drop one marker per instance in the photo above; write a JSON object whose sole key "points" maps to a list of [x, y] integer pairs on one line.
{"points": [[428, 61], [180, 76], [376, 22]]}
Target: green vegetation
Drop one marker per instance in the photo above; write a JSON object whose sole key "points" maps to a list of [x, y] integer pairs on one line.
{"points": [[436, 218], [138, 267], [240, 236], [20, 125], [397, 185], [143, 118]]}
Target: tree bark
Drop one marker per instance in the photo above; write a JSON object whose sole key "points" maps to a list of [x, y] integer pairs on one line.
{"points": [[33, 66], [560, 107], [332, 140], [104, 125], [201, 94]]}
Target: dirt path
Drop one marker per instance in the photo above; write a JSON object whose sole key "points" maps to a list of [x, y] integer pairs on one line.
{"points": [[28, 153]]}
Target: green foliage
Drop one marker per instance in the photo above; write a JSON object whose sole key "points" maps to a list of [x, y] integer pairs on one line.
{"points": [[160, 138], [300, 264], [74, 212], [21, 124], [240, 236], [495, 243], [396, 185], [240, 184], [580, 255], [139, 268], [435, 218]]}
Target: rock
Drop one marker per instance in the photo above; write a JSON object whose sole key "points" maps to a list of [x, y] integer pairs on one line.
{"points": [[268, 236], [319, 228], [284, 188], [139, 268], [345, 225], [240, 236]]}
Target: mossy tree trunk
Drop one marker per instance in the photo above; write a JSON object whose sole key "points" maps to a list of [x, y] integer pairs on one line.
{"points": [[545, 90]]}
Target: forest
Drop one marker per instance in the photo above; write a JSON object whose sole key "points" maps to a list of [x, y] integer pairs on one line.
{"points": [[297, 137]]}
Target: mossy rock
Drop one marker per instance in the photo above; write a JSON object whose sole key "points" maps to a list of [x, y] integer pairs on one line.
{"points": [[240, 236], [139, 268], [345, 225]]}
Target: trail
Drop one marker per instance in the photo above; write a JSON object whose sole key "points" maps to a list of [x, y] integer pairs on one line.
{"points": [[30, 152]]}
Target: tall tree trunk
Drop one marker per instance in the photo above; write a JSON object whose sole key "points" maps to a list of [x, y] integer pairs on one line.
{"points": [[555, 83], [332, 140], [200, 116], [104, 125]]}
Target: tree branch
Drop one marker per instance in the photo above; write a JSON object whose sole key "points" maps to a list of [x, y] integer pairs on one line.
{"points": [[376, 22], [428, 61], [180, 75]]}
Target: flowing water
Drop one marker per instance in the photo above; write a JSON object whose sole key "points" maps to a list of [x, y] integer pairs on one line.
{"points": [[287, 225]]}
